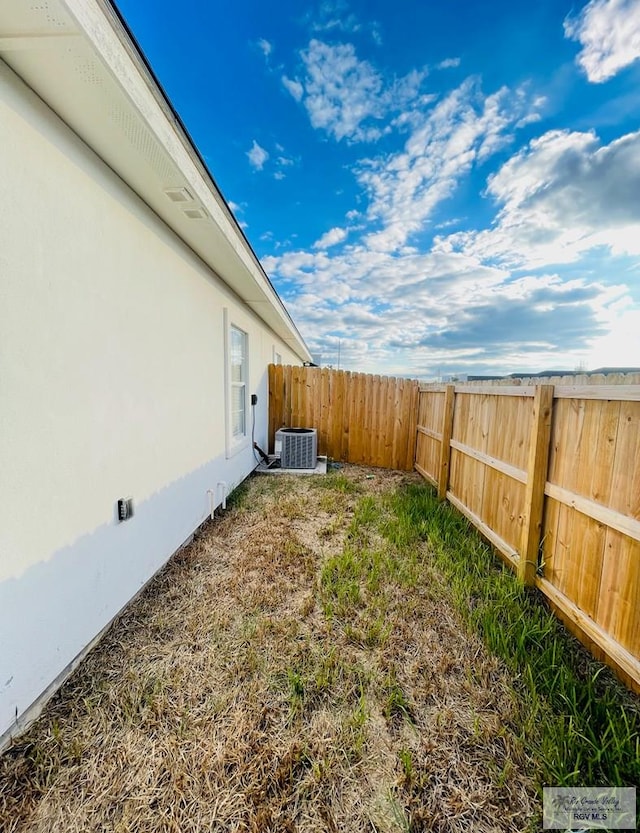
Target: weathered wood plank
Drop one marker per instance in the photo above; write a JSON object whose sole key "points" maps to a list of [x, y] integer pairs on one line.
{"points": [[337, 413], [346, 409], [354, 416], [276, 389], [397, 448], [445, 442], [587, 537], [394, 386], [412, 419], [288, 395], [458, 475], [566, 433], [536, 479], [322, 394]]}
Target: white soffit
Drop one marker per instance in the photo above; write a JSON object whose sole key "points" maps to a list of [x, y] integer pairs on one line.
{"points": [[76, 56]]}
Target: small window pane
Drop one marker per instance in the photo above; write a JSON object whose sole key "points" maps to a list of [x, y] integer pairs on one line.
{"points": [[238, 378], [238, 355], [238, 414]]}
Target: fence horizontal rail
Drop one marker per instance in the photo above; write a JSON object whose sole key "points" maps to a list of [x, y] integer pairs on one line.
{"points": [[612, 393], [603, 514], [499, 465], [515, 390], [499, 543]]}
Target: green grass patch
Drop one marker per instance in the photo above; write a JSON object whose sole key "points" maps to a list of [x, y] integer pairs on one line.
{"points": [[340, 583], [581, 723], [395, 702], [237, 499]]}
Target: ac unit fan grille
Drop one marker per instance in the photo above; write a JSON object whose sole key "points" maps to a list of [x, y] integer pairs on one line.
{"points": [[299, 448]]}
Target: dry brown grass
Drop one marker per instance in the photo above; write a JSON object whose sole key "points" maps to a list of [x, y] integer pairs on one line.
{"points": [[231, 696]]}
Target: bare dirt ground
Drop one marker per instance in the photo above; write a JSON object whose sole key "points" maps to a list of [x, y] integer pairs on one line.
{"points": [[288, 671]]}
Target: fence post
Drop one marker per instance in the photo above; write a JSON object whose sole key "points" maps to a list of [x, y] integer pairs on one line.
{"points": [[410, 421], [272, 406], [445, 446], [536, 478]]}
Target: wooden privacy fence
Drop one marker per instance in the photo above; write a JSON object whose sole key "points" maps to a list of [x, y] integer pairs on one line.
{"points": [[551, 476], [360, 418]]}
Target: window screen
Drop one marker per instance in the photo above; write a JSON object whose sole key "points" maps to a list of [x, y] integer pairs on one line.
{"points": [[238, 382]]}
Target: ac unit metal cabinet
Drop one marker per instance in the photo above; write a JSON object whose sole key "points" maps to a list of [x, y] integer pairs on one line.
{"points": [[297, 448]]}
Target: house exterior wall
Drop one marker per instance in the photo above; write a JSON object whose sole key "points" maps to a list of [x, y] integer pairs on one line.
{"points": [[112, 384]]}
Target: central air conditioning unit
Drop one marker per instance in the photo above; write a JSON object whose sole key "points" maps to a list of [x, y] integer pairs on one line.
{"points": [[297, 448]]}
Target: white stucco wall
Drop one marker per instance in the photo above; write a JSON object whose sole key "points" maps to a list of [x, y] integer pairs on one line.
{"points": [[112, 385]]}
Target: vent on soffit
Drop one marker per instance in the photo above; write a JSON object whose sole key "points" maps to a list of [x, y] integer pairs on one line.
{"points": [[179, 194], [196, 213]]}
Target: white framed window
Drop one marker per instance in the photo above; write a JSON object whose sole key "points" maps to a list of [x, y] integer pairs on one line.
{"points": [[237, 381], [238, 373]]}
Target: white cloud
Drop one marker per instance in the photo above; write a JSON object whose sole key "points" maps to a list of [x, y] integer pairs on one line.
{"points": [[449, 63], [620, 345], [341, 91], [559, 197], [234, 206], [436, 309], [609, 32], [330, 238], [294, 87], [376, 34], [257, 156], [265, 47], [334, 16], [452, 221], [282, 163], [405, 188], [347, 97]]}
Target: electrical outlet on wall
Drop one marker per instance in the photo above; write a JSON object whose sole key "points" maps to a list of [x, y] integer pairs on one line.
{"points": [[124, 509]]}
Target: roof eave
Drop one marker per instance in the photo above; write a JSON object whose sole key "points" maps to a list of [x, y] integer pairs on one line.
{"points": [[47, 46]]}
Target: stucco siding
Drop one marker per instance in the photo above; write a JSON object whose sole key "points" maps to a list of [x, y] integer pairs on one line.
{"points": [[112, 380]]}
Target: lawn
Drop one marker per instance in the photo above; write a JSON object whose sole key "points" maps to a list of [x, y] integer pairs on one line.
{"points": [[333, 653]]}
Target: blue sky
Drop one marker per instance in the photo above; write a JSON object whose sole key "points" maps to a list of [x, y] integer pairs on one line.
{"points": [[433, 188]]}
